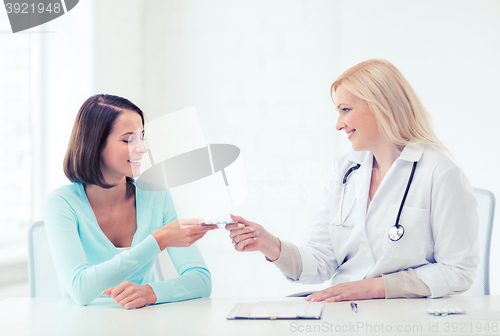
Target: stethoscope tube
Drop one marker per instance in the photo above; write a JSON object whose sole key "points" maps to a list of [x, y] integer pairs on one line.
{"points": [[344, 183], [406, 193], [397, 230]]}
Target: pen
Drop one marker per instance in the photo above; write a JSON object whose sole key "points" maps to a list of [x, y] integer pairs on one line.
{"points": [[354, 307]]}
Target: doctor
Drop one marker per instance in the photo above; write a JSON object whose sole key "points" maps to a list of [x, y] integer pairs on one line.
{"points": [[398, 218]]}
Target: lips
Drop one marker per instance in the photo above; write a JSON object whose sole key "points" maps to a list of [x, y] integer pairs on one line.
{"points": [[350, 133], [136, 162]]}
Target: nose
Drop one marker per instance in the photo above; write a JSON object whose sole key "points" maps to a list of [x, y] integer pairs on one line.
{"points": [[340, 123], [141, 147], [137, 146]]}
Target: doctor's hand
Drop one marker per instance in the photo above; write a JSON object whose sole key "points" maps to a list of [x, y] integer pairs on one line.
{"points": [[250, 236], [129, 295], [354, 290]]}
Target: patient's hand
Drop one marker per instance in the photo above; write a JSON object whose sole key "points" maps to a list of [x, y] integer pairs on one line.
{"points": [[129, 295], [181, 233], [354, 290], [250, 236]]}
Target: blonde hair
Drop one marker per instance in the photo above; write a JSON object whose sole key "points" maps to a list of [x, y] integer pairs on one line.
{"points": [[401, 117]]}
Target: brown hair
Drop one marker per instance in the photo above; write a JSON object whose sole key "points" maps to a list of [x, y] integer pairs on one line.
{"points": [[93, 124]]}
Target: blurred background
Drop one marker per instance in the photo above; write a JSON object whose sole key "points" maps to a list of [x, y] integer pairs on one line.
{"points": [[259, 74]]}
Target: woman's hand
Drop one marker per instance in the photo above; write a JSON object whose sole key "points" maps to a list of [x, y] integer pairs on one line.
{"points": [[172, 235], [129, 295], [355, 290], [249, 236]]}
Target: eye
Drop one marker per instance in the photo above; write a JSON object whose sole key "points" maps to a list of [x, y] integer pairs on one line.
{"points": [[143, 135], [345, 109]]}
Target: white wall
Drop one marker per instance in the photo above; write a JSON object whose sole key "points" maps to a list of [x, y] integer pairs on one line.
{"points": [[259, 73]]}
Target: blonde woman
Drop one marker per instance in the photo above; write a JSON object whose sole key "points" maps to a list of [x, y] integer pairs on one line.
{"points": [[398, 218]]}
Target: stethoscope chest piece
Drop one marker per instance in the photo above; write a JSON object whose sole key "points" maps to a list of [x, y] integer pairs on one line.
{"points": [[395, 233]]}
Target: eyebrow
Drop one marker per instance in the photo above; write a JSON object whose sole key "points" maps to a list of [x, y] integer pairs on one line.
{"points": [[130, 133]]}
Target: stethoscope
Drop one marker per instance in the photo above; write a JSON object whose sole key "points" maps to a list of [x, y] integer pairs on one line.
{"points": [[396, 231]]}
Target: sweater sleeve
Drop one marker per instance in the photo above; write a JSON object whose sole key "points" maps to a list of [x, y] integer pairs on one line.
{"points": [[84, 282], [404, 284], [194, 280], [289, 261]]}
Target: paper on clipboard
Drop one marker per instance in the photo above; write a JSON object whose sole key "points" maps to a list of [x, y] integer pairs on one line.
{"points": [[277, 310]]}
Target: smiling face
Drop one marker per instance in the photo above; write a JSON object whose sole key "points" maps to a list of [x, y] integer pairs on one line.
{"points": [[357, 120], [124, 148]]}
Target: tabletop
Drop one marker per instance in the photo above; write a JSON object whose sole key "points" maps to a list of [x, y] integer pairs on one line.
{"points": [[44, 316]]}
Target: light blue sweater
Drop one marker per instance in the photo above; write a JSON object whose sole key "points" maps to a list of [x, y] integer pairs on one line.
{"points": [[88, 263]]}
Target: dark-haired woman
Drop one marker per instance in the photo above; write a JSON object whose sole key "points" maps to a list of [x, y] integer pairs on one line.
{"points": [[104, 231]]}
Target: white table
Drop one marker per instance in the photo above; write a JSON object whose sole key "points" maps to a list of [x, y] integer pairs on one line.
{"points": [[208, 317]]}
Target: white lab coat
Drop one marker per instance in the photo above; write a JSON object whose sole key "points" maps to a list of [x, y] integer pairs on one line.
{"points": [[440, 220]]}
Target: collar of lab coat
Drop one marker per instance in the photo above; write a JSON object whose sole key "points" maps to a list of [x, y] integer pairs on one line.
{"points": [[411, 152]]}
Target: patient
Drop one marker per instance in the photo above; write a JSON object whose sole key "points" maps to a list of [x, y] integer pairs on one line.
{"points": [[104, 230]]}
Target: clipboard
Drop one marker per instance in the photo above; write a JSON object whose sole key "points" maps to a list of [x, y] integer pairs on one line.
{"points": [[277, 310]]}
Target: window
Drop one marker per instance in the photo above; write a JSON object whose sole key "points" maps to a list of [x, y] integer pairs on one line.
{"points": [[17, 182]]}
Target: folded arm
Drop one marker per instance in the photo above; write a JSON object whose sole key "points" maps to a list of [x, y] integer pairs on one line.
{"points": [[194, 280], [395, 285]]}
